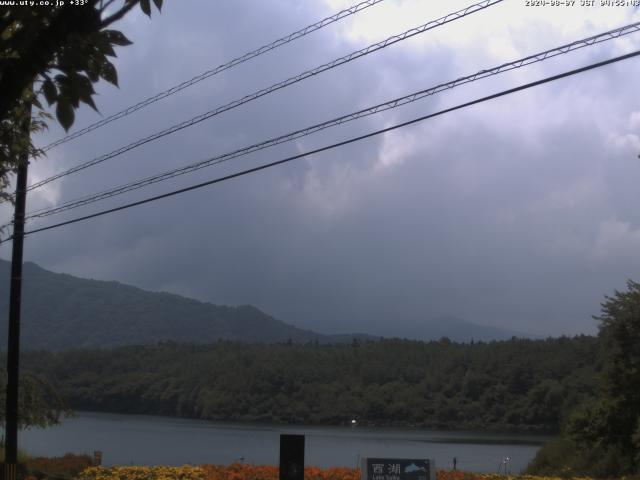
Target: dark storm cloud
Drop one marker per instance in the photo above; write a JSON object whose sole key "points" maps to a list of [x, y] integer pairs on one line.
{"points": [[518, 213]]}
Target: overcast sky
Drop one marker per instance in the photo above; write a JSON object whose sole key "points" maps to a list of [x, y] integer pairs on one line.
{"points": [[521, 212]]}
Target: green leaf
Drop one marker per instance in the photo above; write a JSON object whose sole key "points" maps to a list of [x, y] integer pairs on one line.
{"points": [[89, 101], [68, 90], [50, 91], [93, 69], [65, 113], [146, 7], [109, 73], [36, 103], [6, 33], [86, 91], [84, 85], [72, 59], [101, 43], [117, 38], [158, 4]]}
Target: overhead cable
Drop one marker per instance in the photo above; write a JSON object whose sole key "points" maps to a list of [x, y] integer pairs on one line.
{"points": [[538, 57], [335, 145], [220, 68], [265, 91]]}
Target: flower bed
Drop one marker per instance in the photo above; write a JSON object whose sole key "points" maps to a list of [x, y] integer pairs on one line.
{"points": [[458, 475], [69, 465], [263, 472], [185, 472]]}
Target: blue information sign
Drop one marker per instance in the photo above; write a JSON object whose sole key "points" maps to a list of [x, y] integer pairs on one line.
{"points": [[397, 469]]}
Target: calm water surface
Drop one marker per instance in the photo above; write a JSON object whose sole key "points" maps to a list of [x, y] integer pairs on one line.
{"points": [[149, 440]]}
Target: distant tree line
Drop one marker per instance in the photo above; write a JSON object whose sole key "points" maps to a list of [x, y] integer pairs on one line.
{"points": [[524, 385]]}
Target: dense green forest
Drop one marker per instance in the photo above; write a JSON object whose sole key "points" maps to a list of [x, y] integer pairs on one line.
{"points": [[527, 385]]}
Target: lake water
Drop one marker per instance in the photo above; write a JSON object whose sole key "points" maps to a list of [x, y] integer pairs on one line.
{"points": [[149, 440]]}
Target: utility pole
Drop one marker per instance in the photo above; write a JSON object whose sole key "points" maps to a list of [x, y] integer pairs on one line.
{"points": [[15, 295]]}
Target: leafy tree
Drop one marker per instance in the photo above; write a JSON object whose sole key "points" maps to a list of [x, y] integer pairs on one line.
{"points": [[613, 421], [55, 53], [620, 333], [604, 433], [40, 404]]}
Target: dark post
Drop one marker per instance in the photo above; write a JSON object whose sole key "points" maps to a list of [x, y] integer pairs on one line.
{"points": [[291, 457], [13, 347]]}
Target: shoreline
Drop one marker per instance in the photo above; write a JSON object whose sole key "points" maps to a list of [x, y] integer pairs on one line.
{"points": [[541, 435]]}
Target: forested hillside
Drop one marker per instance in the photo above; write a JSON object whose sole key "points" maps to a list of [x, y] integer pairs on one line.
{"points": [[527, 385], [61, 311]]}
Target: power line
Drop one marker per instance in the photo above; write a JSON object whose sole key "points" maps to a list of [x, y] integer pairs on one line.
{"points": [[338, 144], [307, 74], [538, 57], [265, 91], [220, 68]]}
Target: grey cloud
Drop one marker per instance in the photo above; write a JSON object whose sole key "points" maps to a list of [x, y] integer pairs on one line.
{"points": [[518, 213]]}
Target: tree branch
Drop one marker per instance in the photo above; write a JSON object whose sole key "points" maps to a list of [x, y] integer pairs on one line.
{"points": [[118, 15], [19, 73], [106, 5]]}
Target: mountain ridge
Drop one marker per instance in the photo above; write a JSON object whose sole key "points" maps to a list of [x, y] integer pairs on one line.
{"points": [[61, 311]]}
